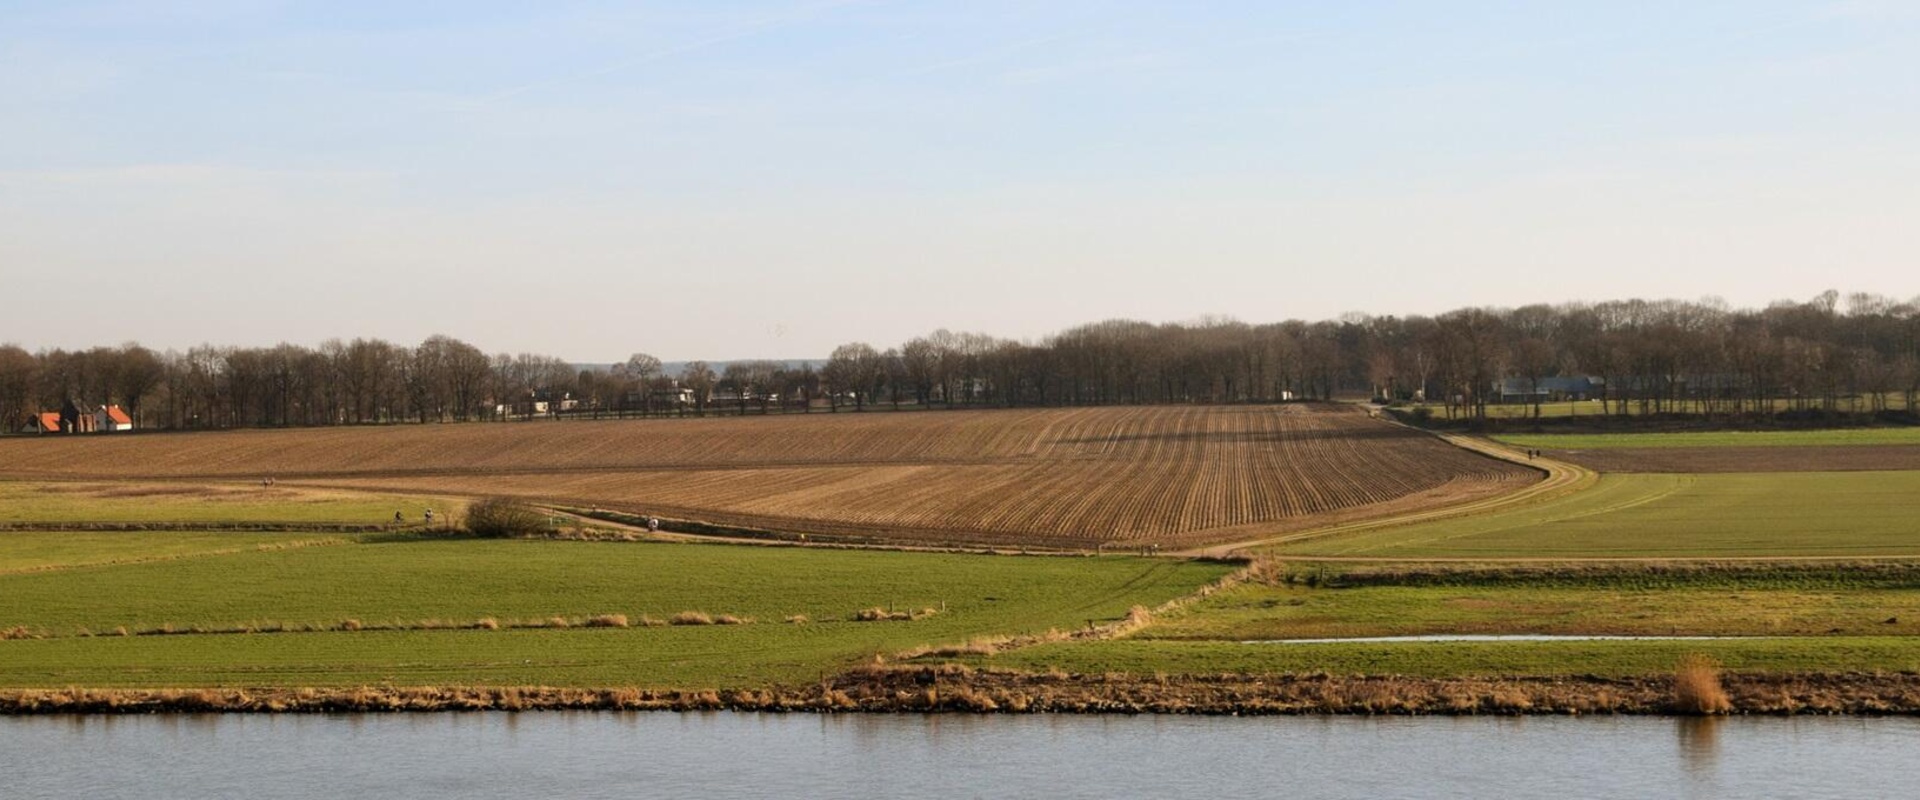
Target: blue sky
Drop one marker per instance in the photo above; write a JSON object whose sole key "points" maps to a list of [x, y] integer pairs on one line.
{"points": [[725, 180]]}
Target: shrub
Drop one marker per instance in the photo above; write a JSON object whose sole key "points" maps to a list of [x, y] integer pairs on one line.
{"points": [[506, 517], [1267, 571], [1696, 686]]}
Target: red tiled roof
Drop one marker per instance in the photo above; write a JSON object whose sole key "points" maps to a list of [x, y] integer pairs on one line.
{"points": [[49, 420], [119, 417]]}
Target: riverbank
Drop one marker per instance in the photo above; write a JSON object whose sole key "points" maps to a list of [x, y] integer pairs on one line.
{"points": [[953, 688]]}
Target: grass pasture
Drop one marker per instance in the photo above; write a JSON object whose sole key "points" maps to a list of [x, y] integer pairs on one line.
{"points": [[1786, 618], [1788, 438], [1781, 514], [1576, 409], [26, 503], [24, 551], [1618, 659], [381, 582], [1798, 601]]}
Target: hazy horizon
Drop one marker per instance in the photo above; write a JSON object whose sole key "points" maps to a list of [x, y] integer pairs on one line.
{"points": [[771, 179], [673, 362]]}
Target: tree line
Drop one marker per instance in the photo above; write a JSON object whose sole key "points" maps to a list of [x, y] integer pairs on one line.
{"points": [[1828, 353]]}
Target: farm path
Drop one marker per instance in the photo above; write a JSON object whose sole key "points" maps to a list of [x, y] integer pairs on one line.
{"points": [[1561, 478]]}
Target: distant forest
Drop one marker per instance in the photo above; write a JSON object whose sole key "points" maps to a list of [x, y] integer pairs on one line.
{"points": [[1860, 351]]}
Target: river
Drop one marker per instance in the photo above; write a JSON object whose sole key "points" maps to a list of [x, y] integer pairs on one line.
{"points": [[739, 755]]}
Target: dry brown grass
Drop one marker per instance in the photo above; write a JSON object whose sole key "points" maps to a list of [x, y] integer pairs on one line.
{"points": [[1267, 570], [692, 618], [1072, 478], [878, 614], [487, 624], [607, 621], [1697, 688], [955, 688]]}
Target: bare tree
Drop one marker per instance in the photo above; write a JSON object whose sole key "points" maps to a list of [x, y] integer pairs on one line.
{"points": [[852, 368], [699, 377], [18, 373]]}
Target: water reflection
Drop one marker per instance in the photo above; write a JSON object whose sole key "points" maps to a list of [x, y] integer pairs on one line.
{"points": [[1055, 757], [1700, 745]]}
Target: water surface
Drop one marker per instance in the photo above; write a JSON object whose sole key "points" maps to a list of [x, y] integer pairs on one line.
{"points": [[723, 755]]}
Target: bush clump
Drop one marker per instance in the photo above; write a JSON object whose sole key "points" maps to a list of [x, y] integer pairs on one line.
{"points": [[506, 517], [1696, 686]]}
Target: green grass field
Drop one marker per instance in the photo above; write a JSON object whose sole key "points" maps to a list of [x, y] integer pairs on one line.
{"points": [[1626, 605], [1794, 438], [416, 598], [1672, 516], [38, 550], [180, 504], [1592, 408], [407, 581], [1798, 618]]}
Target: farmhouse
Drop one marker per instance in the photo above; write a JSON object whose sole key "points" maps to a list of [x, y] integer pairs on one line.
{"points": [[112, 418], [77, 418]]}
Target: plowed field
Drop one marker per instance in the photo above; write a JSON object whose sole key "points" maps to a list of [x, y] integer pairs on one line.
{"points": [[1045, 477]]}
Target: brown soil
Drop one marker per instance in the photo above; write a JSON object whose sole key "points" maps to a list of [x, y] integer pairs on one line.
{"points": [[958, 689], [1835, 458], [1066, 478]]}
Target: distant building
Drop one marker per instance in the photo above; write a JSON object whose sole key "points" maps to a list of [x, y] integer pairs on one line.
{"points": [[1523, 390], [111, 418], [77, 418], [42, 422], [673, 397]]}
